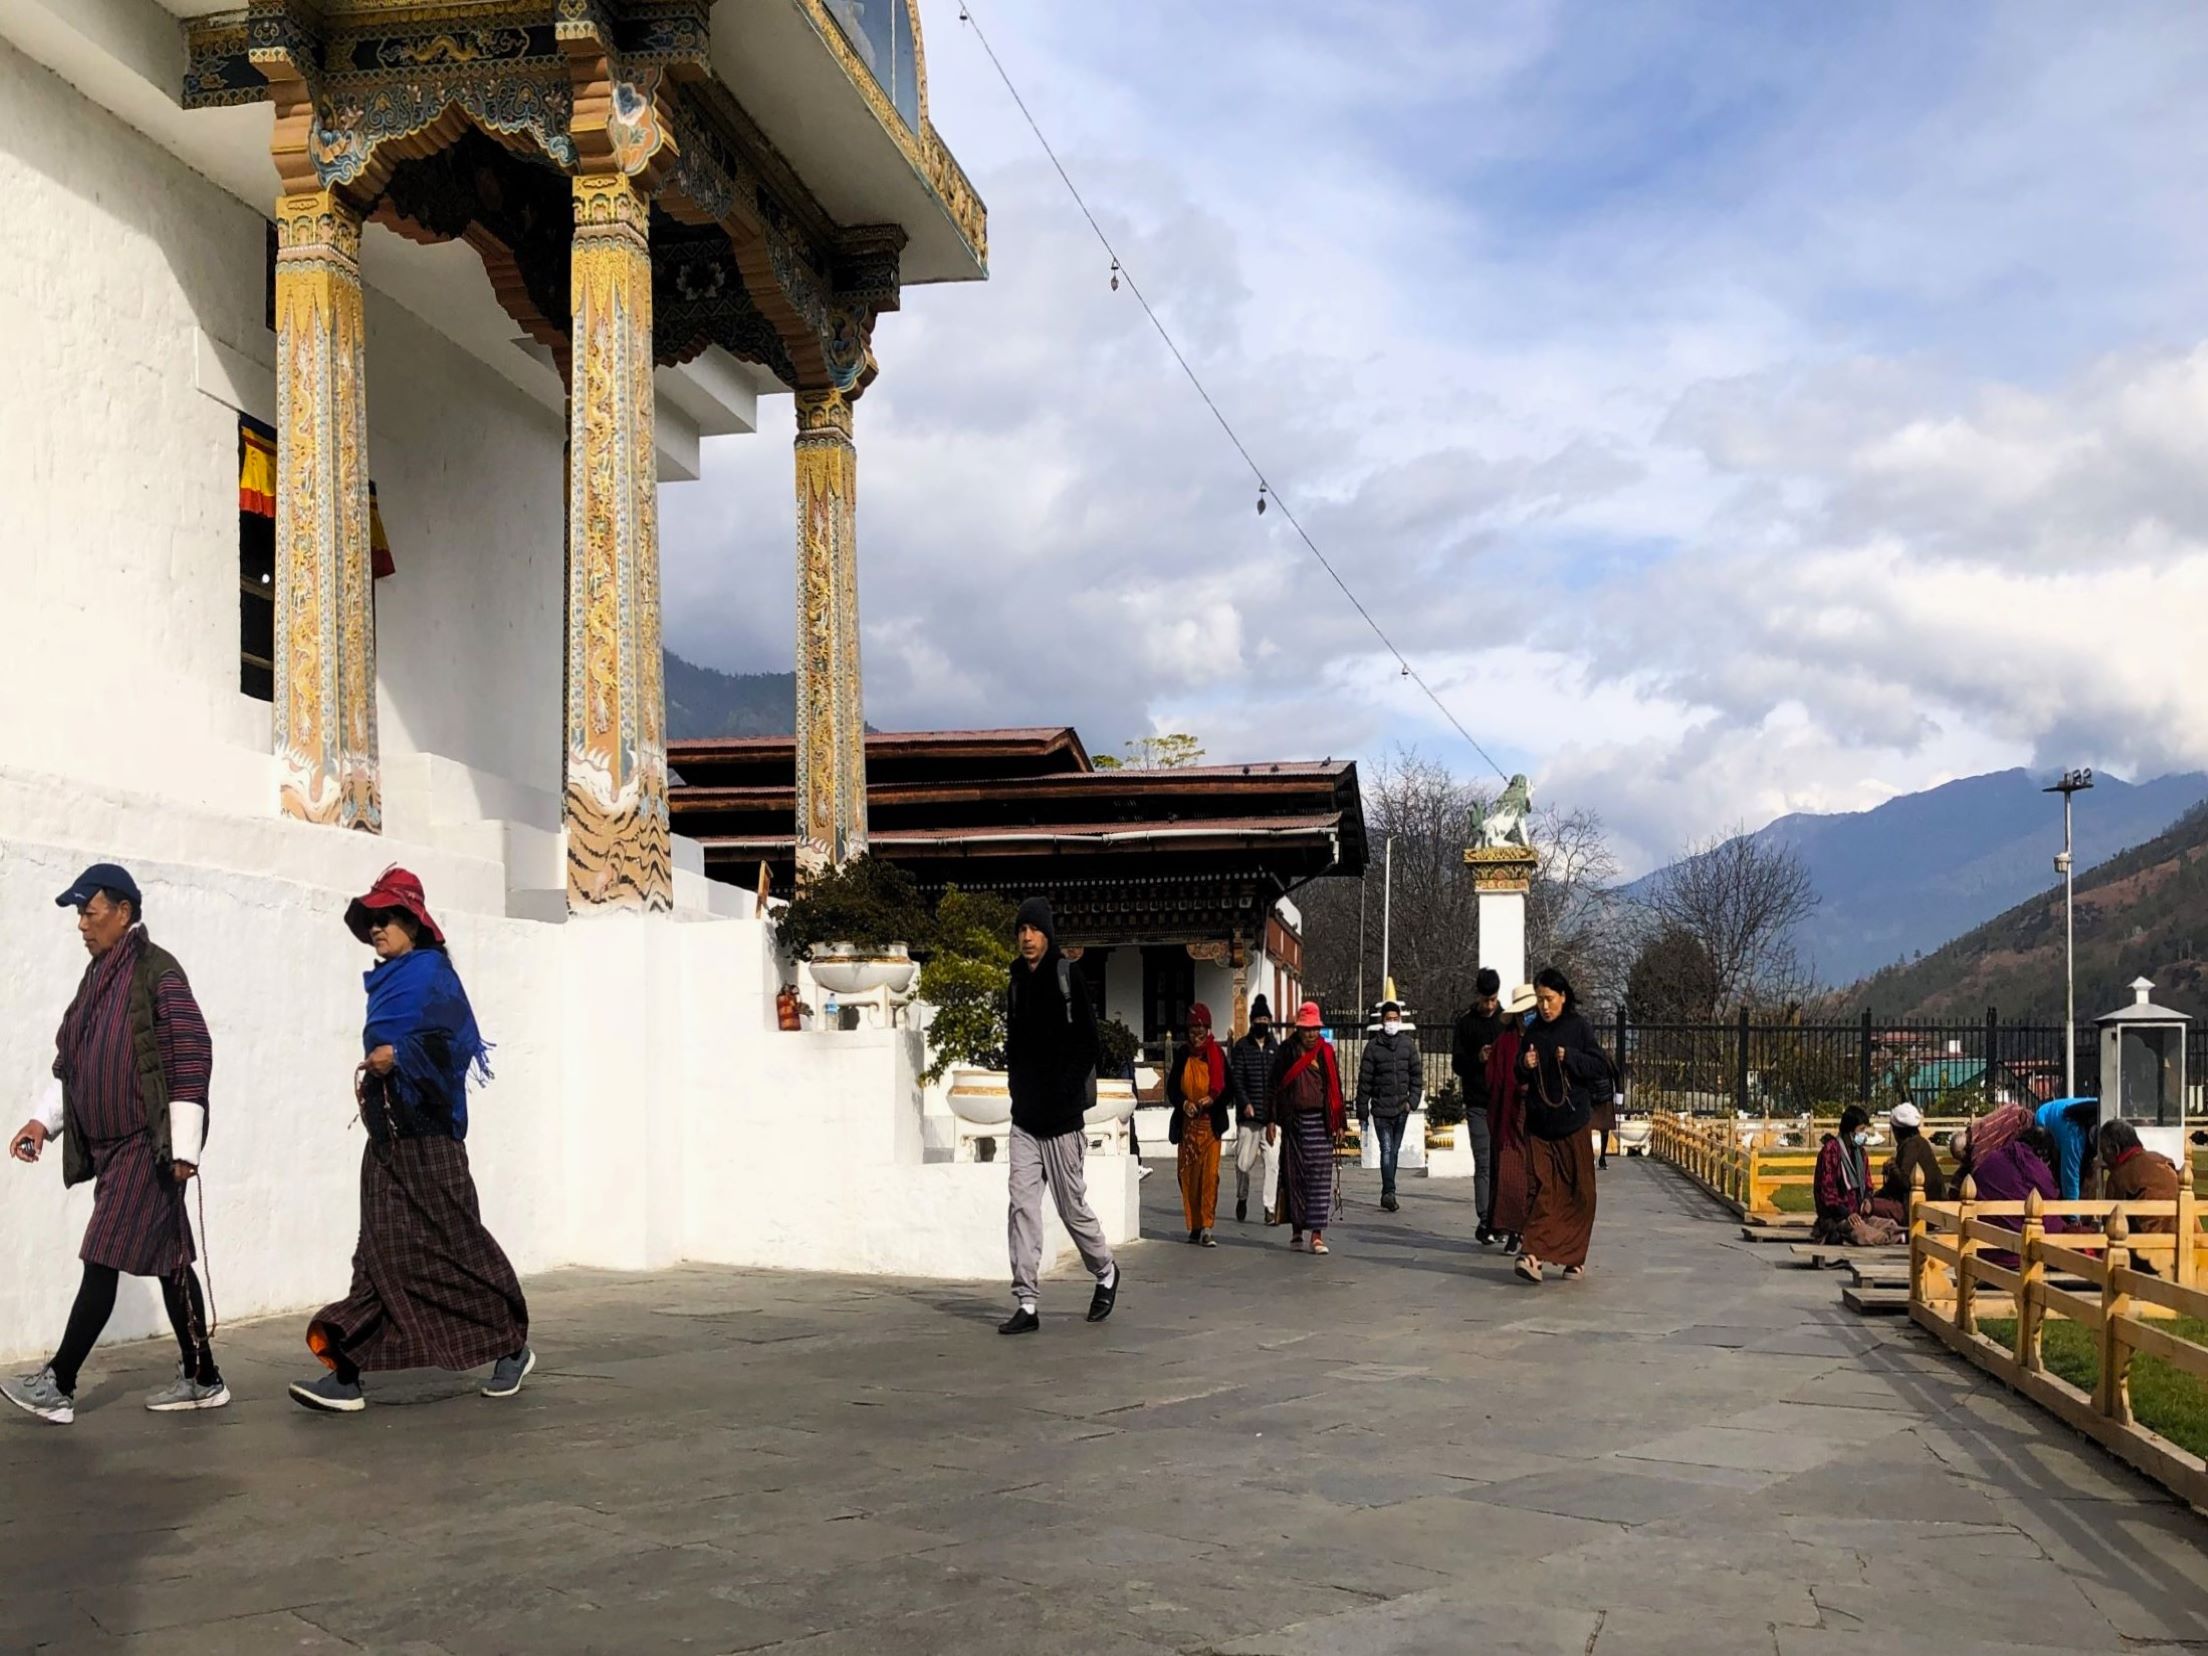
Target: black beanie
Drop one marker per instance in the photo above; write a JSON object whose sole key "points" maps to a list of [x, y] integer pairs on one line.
{"points": [[1036, 912], [1489, 982], [1260, 1009]]}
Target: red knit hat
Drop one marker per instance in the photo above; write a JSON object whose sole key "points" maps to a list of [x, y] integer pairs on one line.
{"points": [[1200, 1014], [1307, 1016], [395, 888]]}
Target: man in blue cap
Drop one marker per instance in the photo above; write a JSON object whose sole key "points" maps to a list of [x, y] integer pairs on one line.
{"points": [[128, 1100]]}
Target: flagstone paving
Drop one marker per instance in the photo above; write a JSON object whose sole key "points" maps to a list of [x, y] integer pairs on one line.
{"points": [[1393, 1451]]}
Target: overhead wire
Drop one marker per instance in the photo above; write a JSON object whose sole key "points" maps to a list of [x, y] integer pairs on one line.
{"points": [[1266, 491]]}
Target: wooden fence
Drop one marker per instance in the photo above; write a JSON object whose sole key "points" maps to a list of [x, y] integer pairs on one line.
{"points": [[2094, 1278], [1746, 1163]]}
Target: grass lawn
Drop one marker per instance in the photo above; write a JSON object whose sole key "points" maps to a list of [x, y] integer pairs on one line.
{"points": [[2163, 1399]]}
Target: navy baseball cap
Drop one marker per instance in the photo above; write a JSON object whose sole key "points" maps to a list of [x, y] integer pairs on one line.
{"points": [[102, 877]]}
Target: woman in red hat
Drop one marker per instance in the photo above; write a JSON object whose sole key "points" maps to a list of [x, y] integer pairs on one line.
{"points": [[431, 1287], [1199, 1087], [1307, 1102]]}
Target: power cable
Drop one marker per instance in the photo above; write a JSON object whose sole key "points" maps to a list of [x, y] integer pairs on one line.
{"points": [[1265, 490]]}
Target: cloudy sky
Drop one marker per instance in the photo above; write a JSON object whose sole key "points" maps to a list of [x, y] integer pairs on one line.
{"points": [[1731, 409]]}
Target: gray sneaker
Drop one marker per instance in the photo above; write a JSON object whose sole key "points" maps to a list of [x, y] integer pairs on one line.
{"points": [[37, 1394], [509, 1373], [186, 1393], [329, 1395]]}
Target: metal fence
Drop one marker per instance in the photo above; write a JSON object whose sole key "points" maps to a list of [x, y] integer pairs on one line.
{"points": [[1737, 1065]]}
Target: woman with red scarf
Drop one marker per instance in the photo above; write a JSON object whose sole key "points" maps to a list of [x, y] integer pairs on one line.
{"points": [[1199, 1087], [1307, 1102], [1506, 1120]]}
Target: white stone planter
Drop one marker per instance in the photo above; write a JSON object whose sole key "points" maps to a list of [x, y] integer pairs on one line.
{"points": [[845, 970], [1633, 1136], [981, 1099]]}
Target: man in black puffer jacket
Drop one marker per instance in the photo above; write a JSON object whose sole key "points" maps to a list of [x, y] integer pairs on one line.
{"points": [[1050, 1054], [1391, 1080], [1256, 1139]]}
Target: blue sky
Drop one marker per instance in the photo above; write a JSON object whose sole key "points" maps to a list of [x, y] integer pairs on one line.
{"points": [[1732, 409]]}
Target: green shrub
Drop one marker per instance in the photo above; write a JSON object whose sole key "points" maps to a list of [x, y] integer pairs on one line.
{"points": [[869, 903], [964, 978]]}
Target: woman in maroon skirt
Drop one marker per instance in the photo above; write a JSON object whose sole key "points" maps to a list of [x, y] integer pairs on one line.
{"points": [[431, 1288], [1560, 1071], [1506, 1124]]}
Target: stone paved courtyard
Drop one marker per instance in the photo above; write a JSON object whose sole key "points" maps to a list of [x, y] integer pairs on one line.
{"points": [[1395, 1450]]}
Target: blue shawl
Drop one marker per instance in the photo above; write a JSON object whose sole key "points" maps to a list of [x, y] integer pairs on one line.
{"points": [[417, 1007]]}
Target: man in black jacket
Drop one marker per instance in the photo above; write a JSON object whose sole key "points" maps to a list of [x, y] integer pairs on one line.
{"points": [[1050, 1052], [1391, 1081], [1476, 1034], [1256, 1138]]}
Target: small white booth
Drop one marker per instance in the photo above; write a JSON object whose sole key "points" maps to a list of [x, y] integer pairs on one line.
{"points": [[2143, 1070]]}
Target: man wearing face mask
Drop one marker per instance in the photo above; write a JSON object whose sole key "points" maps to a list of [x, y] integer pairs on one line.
{"points": [[1390, 1080]]}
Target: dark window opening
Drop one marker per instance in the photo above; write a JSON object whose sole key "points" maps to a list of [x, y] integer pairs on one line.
{"points": [[1168, 990]]}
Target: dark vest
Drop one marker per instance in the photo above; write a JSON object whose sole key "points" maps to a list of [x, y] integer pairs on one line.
{"points": [[154, 963]]}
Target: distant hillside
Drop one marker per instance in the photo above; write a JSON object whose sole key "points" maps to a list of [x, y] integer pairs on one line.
{"points": [[1926, 867], [703, 702], [2143, 913]]}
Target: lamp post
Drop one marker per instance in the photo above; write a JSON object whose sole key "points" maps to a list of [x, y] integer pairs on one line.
{"points": [[2073, 783], [1387, 914]]}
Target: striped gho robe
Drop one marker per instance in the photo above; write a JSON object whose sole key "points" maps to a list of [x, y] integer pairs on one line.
{"points": [[138, 1225]]}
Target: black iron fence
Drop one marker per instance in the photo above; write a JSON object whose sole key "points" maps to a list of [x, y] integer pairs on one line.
{"points": [[1741, 1064]]}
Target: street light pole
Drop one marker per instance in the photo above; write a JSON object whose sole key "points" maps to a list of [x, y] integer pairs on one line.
{"points": [[1387, 912], [2073, 783]]}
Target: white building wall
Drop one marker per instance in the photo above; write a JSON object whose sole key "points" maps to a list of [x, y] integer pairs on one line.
{"points": [[644, 1110], [127, 275]]}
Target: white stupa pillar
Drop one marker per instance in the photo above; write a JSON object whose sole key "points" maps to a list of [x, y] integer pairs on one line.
{"points": [[1502, 875]]}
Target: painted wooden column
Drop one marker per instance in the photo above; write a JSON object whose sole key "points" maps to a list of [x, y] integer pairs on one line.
{"points": [[325, 708], [617, 832], [831, 718]]}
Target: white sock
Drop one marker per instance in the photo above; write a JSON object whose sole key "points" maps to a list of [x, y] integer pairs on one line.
{"points": [[1028, 1306], [1110, 1279]]}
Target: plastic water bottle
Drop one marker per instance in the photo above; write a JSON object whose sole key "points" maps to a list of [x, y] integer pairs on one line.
{"points": [[830, 1016]]}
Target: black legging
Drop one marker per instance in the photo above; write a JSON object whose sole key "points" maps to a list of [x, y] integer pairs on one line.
{"points": [[96, 1303]]}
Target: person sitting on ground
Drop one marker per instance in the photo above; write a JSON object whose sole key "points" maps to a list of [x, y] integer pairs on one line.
{"points": [[1913, 1154], [2133, 1173], [1842, 1189]]}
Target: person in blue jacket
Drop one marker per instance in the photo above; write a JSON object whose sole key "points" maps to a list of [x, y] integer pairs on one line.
{"points": [[2071, 1123]]}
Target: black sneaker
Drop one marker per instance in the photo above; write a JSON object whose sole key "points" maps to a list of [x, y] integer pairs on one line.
{"points": [[1105, 1298], [329, 1395], [1203, 1240], [1388, 1202], [1020, 1322], [1484, 1236], [1194, 1237], [1241, 1210]]}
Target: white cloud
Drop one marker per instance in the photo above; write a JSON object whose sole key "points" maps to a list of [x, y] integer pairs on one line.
{"points": [[1725, 430]]}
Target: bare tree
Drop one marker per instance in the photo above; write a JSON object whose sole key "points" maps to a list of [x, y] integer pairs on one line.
{"points": [[1572, 918], [1739, 898], [1434, 936]]}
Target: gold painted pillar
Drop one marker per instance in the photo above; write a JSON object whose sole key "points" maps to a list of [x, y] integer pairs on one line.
{"points": [[325, 709], [617, 834], [831, 719]]}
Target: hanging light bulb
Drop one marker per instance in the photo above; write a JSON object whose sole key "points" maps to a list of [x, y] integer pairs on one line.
{"points": [[1115, 275], [1262, 491]]}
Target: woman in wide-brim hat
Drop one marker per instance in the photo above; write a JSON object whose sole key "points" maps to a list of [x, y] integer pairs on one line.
{"points": [[1306, 1098], [431, 1287]]}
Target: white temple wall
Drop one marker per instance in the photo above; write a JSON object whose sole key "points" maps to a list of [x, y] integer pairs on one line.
{"points": [[118, 479], [138, 290]]}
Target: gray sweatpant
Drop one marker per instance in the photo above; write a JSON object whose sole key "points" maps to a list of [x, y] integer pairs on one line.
{"points": [[1057, 1162], [1483, 1172]]}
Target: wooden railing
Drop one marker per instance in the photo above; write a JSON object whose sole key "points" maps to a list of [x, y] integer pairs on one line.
{"points": [[2102, 1288], [1744, 1163]]}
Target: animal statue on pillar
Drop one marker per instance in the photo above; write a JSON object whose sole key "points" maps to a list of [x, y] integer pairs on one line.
{"points": [[1505, 824]]}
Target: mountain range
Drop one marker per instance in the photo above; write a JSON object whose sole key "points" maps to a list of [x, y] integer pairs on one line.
{"points": [[2142, 913], [704, 702], [1906, 877]]}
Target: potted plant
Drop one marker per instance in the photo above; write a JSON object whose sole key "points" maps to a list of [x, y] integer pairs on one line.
{"points": [[964, 980], [856, 926]]}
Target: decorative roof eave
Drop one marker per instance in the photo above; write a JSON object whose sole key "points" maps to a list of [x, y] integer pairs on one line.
{"points": [[924, 151]]}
